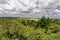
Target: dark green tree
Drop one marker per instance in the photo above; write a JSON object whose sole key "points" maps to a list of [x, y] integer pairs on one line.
{"points": [[43, 22]]}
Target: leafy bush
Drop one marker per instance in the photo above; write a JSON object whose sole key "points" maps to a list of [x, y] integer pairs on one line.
{"points": [[26, 29]]}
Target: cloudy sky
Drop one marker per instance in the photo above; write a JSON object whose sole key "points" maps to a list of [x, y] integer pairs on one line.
{"points": [[30, 8]]}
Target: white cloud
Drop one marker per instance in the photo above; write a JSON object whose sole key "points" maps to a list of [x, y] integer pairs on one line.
{"points": [[56, 10], [18, 5]]}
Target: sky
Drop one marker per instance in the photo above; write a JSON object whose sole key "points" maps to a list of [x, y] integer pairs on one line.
{"points": [[30, 8]]}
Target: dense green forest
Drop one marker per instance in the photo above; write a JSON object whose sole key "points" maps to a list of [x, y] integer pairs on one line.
{"points": [[29, 29]]}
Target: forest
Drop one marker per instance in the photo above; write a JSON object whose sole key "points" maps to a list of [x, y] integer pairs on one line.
{"points": [[29, 28]]}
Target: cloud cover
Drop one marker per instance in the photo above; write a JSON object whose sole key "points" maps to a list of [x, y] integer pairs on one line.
{"points": [[28, 7]]}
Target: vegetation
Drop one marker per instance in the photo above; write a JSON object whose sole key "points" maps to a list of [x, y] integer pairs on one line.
{"points": [[26, 29]]}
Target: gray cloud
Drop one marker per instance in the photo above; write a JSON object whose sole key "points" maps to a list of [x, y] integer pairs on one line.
{"points": [[27, 7], [3, 2]]}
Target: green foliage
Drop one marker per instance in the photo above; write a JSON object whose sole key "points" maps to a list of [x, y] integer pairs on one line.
{"points": [[26, 29], [43, 22]]}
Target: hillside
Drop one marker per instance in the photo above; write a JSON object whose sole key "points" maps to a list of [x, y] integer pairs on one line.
{"points": [[29, 29]]}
